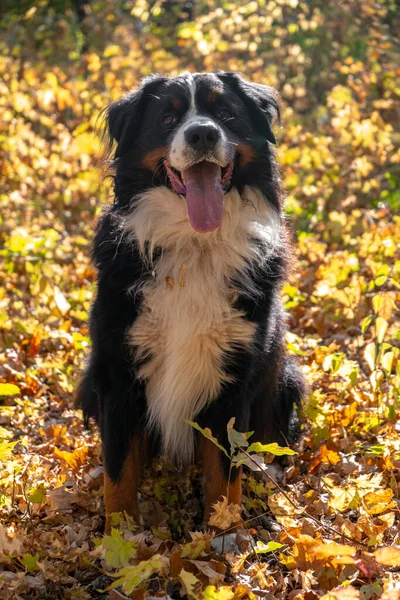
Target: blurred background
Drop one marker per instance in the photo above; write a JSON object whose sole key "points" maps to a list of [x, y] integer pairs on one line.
{"points": [[336, 66]]}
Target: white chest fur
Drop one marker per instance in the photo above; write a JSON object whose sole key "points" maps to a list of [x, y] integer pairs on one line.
{"points": [[187, 324]]}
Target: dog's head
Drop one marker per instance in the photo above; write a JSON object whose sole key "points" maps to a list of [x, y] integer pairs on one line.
{"points": [[200, 134]]}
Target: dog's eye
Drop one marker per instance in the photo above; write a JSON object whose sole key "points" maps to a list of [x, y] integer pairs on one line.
{"points": [[168, 120], [225, 114]]}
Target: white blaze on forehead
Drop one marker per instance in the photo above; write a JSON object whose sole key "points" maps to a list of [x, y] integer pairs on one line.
{"points": [[181, 156], [192, 88]]}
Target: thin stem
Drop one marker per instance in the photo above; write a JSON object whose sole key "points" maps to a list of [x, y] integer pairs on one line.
{"points": [[303, 511]]}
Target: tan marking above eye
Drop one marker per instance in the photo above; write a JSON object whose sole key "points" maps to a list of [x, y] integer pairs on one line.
{"points": [[177, 102], [214, 94]]}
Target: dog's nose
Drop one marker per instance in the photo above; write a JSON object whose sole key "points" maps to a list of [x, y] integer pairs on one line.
{"points": [[202, 136]]}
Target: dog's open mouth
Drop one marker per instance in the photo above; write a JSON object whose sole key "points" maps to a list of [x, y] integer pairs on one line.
{"points": [[204, 185]]}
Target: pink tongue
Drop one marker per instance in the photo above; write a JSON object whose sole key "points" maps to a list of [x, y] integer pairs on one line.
{"points": [[204, 196]]}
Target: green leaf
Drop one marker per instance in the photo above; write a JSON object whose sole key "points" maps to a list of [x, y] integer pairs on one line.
{"points": [[376, 450], [366, 323], [381, 280], [37, 495], [9, 389], [30, 562], [193, 549], [208, 435], [255, 463], [236, 438], [118, 550], [262, 548], [273, 448], [131, 577]]}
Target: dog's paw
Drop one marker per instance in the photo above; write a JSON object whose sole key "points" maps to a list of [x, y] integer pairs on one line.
{"points": [[237, 542]]}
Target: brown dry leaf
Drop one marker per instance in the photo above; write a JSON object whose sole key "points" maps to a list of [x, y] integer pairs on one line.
{"points": [[10, 541], [214, 570], [280, 505], [60, 499], [224, 515]]}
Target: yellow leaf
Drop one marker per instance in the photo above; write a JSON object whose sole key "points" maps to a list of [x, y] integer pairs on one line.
{"points": [[74, 459], [387, 362], [344, 499], [224, 592], [333, 550], [370, 355], [9, 389], [379, 501], [388, 556], [131, 577], [377, 302], [381, 326], [273, 448], [61, 302], [6, 449], [190, 582], [118, 550]]}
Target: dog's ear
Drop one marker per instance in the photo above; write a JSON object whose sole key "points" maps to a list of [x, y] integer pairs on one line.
{"points": [[124, 116], [260, 100]]}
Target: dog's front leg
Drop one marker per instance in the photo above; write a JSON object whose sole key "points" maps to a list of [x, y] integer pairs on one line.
{"points": [[124, 445], [218, 479], [120, 492]]}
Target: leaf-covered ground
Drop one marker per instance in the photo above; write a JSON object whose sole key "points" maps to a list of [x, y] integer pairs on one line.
{"points": [[331, 528]]}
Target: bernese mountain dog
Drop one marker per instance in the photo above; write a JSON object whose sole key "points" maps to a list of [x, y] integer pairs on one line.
{"points": [[188, 322]]}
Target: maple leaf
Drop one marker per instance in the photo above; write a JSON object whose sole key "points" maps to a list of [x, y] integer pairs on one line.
{"points": [[190, 582], [224, 515], [131, 577], [10, 541], [118, 550], [30, 562], [74, 459]]}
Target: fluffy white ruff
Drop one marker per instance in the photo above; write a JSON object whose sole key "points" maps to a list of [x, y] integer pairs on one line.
{"points": [[187, 324]]}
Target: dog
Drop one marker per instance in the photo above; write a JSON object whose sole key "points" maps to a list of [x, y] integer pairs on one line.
{"points": [[188, 322]]}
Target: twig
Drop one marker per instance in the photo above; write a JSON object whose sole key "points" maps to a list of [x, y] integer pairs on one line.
{"points": [[303, 511]]}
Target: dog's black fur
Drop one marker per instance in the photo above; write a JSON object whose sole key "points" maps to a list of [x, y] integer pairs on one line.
{"points": [[266, 387]]}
